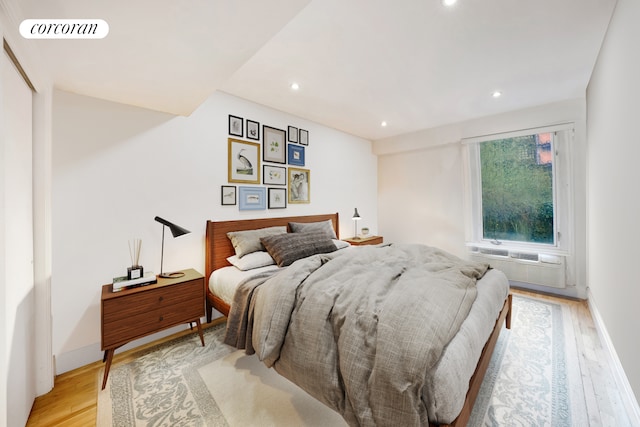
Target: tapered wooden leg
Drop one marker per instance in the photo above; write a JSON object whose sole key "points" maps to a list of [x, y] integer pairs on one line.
{"points": [[200, 331], [209, 310], [109, 358]]}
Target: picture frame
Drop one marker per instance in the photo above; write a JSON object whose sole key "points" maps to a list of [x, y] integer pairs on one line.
{"points": [[274, 175], [236, 125], [244, 161], [303, 137], [274, 145], [277, 198], [253, 130], [252, 198], [299, 185], [295, 155], [228, 196], [292, 134]]}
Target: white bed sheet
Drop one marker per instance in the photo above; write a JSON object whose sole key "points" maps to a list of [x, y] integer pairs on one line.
{"points": [[224, 281]]}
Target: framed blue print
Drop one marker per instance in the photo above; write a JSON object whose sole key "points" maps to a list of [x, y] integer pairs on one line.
{"points": [[252, 198], [295, 155]]}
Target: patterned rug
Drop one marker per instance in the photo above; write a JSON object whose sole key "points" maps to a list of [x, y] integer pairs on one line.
{"points": [[533, 378], [180, 383]]}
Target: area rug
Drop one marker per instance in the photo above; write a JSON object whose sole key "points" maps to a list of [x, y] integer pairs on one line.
{"points": [[531, 380]]}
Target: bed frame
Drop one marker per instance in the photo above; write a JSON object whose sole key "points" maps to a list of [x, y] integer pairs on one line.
{"points": [[219, 248]]}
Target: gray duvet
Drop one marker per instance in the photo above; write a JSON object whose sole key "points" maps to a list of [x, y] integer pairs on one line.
{"points": [[359, 329]]}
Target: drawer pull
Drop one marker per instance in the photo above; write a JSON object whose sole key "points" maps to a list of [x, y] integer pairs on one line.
{"points": [[161, 318], [161, 299]]}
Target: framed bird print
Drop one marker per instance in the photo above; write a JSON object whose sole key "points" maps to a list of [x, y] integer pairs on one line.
{"points": [[228, 193], [274, 145], [244, 161]]}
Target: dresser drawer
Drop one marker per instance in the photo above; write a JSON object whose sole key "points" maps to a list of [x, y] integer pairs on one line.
{"points": [[143, 323], [144, 302]]}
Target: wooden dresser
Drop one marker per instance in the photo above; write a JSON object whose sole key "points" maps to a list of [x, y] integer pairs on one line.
{"points": [[134, 313]]}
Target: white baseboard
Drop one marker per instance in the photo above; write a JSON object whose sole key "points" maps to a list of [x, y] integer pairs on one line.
{"points": [[74, 359], [626, 392]]}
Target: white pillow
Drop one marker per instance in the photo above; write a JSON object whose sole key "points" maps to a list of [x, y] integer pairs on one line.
{"points": [[252, 260], [247, 241], [341, 244]]}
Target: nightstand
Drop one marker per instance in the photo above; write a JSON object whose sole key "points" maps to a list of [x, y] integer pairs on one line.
{"points": [[371, 240], [134, 313]]}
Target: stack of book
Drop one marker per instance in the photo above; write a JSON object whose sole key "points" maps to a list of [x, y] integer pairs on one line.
{"points": [[121, 283]]}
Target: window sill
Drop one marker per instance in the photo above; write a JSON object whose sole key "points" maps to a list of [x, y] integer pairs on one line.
{"points": [[519, 248]]}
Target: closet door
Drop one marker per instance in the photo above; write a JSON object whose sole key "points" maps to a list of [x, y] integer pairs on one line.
{"points": [[16, 239]]}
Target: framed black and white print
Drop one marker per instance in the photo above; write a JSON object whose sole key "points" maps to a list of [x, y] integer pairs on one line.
{"points": [[274, 145], [252, 198], [303, 137], [235, 126], [274, 175], [228, 195], [292, 134], [277, 198], [295, 155], [253, 130], [299, 185]]}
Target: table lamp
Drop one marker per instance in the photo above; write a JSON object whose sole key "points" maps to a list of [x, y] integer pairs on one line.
{"points": [[356, 217], [176, 231]]}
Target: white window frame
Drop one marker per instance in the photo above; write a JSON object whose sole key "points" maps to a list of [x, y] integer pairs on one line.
{"points": [[563, 191]]}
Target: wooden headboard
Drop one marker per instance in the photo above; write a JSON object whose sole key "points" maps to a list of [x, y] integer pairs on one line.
{"points": [[218, 247]]}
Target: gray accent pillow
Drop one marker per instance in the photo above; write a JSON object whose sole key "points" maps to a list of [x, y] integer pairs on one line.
{"points": [[287, 248], [246, 242], [308, 227]]}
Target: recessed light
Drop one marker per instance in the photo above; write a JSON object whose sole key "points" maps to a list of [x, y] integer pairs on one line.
{"points": [[449, 2], [295, 86], [383, 124], [496, 94]]}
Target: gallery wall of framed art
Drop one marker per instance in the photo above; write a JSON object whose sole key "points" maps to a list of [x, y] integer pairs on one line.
{"points": [[271, 159]]}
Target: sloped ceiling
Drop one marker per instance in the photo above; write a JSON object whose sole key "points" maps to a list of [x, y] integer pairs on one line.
{"points": [[412, 63]]}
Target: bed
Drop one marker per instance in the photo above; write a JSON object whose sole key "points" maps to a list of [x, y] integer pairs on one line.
{"points": [[455, 377]]}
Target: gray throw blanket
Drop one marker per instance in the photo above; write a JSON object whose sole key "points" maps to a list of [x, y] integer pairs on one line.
{"points": [[360, 328]]}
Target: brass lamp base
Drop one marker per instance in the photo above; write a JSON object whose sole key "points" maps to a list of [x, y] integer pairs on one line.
{"points": [[173, 275]]}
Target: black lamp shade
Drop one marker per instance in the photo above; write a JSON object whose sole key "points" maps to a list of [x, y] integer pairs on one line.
{"points": [[356, 215], [176, 230]]}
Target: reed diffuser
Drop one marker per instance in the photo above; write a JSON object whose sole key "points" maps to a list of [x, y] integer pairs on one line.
{"points": [[135, 271]]}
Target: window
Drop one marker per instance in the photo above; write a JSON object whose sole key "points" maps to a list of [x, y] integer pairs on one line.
{"points": [[519, 188]]}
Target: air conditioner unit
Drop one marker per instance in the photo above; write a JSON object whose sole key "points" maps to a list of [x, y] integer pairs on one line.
{"points": [[528, 267]]}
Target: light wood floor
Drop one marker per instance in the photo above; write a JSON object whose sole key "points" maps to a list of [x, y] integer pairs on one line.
{"points": [[73, 400]]}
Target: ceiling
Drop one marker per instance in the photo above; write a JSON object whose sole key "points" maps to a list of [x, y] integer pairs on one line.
{"points": [[415, 64]]}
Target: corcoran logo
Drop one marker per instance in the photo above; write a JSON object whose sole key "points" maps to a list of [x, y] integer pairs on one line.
{"points": [[64, 29]]}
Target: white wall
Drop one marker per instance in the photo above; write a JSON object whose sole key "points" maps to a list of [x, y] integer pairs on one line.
{"points": [[116, 167], [613, 173], [424, 173]]}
